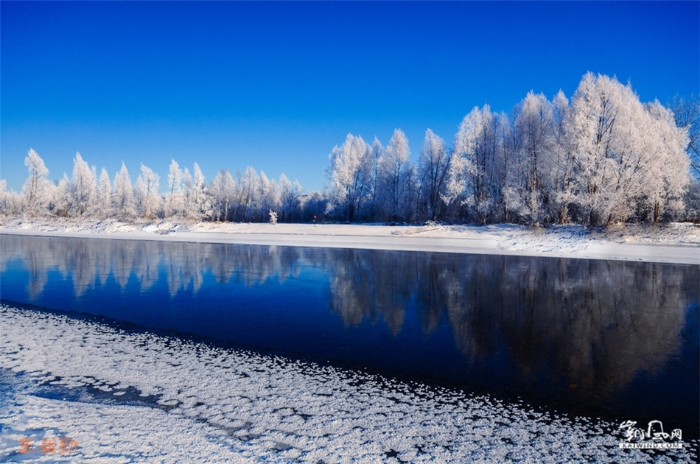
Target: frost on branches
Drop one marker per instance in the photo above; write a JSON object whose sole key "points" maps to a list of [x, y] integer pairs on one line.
{"points": [[601, 157]]}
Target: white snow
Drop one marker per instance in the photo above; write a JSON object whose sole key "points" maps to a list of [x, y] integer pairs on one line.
{"points": [[222, 405], [674, 242]]}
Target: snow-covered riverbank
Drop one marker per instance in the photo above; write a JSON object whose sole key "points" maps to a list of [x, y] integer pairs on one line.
{"points": [[138, 397], [674, 243]]}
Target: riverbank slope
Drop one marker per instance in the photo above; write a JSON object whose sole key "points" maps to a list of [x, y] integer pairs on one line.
{"points": [[673, 243]]}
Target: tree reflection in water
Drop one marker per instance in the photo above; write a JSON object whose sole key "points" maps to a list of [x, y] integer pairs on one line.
{"points": [[594, 323]]}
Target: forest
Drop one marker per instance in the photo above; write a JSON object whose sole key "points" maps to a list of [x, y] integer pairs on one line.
{"points": [[600, 158]]}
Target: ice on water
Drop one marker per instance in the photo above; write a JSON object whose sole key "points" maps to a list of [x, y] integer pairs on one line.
{"points": [[140, 397]]}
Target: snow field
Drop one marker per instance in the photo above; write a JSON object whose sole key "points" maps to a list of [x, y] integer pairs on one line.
{"points": [[673, 243], [222, 405]]}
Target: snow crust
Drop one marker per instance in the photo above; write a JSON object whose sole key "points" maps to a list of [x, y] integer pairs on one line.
{"points": [[674, 242], [140, 397]]}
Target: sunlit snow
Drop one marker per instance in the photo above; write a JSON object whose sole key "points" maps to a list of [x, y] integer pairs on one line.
{"points": [[133, 396]]}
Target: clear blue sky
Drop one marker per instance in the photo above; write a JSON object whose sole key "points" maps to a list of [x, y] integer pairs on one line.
{"points": [[277, 85]]}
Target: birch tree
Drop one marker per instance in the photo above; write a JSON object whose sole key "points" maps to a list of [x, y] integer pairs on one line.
{"points": [[123, 195], [267, 196], [532, 179], [289, 199], [36, 187], [223, 190], [472, 180], [148, 199], [246, 196], [104, 195], [60, 197], [624, 153], [200, 199], [187, 206], [686, 112], [174, 197], [665, 165], [433, 167], [10, 201], [562, 166], [393, 174], [350, 176], [83, 188]]}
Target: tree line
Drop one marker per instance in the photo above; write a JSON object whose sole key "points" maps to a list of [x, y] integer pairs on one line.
{"points": [[602, 157]]}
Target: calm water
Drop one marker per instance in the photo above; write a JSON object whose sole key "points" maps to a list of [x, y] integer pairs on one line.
{"points": [[601, 338]]}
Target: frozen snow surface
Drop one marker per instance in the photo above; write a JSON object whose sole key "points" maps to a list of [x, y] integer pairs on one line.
{"points": [[674, 242], [140, 397]]}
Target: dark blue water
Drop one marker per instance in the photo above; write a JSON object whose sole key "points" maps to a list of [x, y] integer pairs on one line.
{"points": [[610, 339]]}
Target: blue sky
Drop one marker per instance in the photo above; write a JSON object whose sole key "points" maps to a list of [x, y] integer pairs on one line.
{"points": [[277, 85]]}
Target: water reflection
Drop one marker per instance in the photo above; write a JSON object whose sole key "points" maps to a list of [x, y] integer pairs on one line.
{"points": [[591, 325], [597, 322]]}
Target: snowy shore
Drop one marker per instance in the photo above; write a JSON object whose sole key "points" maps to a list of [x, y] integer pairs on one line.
{"points": [[140, 397], [673, 243]]}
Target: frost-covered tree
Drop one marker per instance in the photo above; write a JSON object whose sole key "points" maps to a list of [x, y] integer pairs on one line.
{"points": [[61, 197], [350, 177], [622, 151], [10, 201], [289, 199], [123, 194], [686, 112], [187, 209], [104, 195], [393, 175], [247, 196], [562, 163], [147, 198], [664, 164], [432, 167], [173, 200], [530, 182], [374, 200], [36, 188], [267, 197], [314, 206], [201, 201], [83, 188], [473, 176], [223, 191]]}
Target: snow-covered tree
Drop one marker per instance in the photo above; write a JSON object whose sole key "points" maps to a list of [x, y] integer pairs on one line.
{"points": [[533, 167], [173, 200], [223, 191], [374, 200], [61, 197], [36, 187], [83, 188], [267, 197], [104, 195], [562, 163], [686, 112], [622, 152], [123, 194], [350, 177], [247, 196], [664, 163], [147, 198], [200, 201], [10, 201], [187, 209], [289, 199], [473, 179], [273, 217], [432, 167], [393, 175]]}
